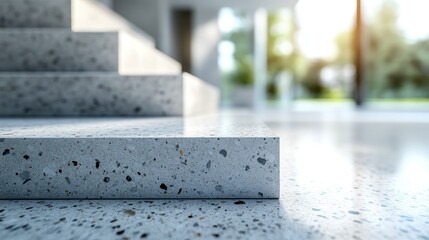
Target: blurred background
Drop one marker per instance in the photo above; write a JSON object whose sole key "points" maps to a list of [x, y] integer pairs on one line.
{"points": [[308, 54]]}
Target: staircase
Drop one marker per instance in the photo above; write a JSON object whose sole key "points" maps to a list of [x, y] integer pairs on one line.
{"points": [[73, 73]]}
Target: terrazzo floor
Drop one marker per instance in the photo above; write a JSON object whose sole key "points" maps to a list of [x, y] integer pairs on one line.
{"points": [[341, 178]]}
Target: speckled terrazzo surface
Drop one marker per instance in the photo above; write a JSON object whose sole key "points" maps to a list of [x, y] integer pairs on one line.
{"points": [[41, 49], [361, 180], [35, 13], [90, 94], [207, 126], [214, 156]]}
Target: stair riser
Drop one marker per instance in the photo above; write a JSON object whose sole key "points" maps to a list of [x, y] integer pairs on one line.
{"points": [[35, 13], [91, 95], [57, 50], [138, 168]]}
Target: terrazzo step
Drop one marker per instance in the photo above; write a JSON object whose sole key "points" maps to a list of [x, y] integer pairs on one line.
{"points": [[104, 94], [64, 50], [35, 13], [79, 15], [214, 156]]}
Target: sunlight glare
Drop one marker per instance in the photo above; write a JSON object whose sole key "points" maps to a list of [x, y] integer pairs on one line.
{"points": [[320, 22], [227, 21], [226, 51]]}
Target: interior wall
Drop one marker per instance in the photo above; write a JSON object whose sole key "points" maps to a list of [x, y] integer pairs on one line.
{"points": [[205, 39], [108, 3], [145, 14]]}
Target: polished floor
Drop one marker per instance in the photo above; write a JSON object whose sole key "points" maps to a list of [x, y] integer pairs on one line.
{"points": [[343, 176]]}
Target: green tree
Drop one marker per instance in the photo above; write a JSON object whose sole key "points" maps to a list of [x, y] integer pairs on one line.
{"points": [[420, 61], [281, 32], [312, 81], [241, 37], [395, 68]]}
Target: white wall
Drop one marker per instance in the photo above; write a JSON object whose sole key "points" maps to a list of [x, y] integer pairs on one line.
{"points": [[108, 3], [148, 15], [205, 39]]}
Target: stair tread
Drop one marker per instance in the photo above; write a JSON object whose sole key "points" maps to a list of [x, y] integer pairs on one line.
{"points": [[228, 155], [206, 126]]}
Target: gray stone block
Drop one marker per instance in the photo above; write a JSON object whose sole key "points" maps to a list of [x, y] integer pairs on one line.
{"points": [[58, 50], [104, 94], [35, 13], [64, 50], [213, 156]]}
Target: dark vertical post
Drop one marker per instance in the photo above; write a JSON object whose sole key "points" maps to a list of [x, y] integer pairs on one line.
{"points": [[182, 33], [358, 57]]}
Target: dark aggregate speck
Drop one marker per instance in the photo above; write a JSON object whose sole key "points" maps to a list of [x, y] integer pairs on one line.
{"points": [[223, 152], [6, 152], [354, 212], [262, 161], [144, 235]]}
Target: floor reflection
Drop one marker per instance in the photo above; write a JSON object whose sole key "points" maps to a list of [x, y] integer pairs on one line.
{"points": [[157, 219], [356, 179]]}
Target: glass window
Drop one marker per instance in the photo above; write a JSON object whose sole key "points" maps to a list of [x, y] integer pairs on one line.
{"points": [[236, 57], [397, 51], [324, 59]]}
